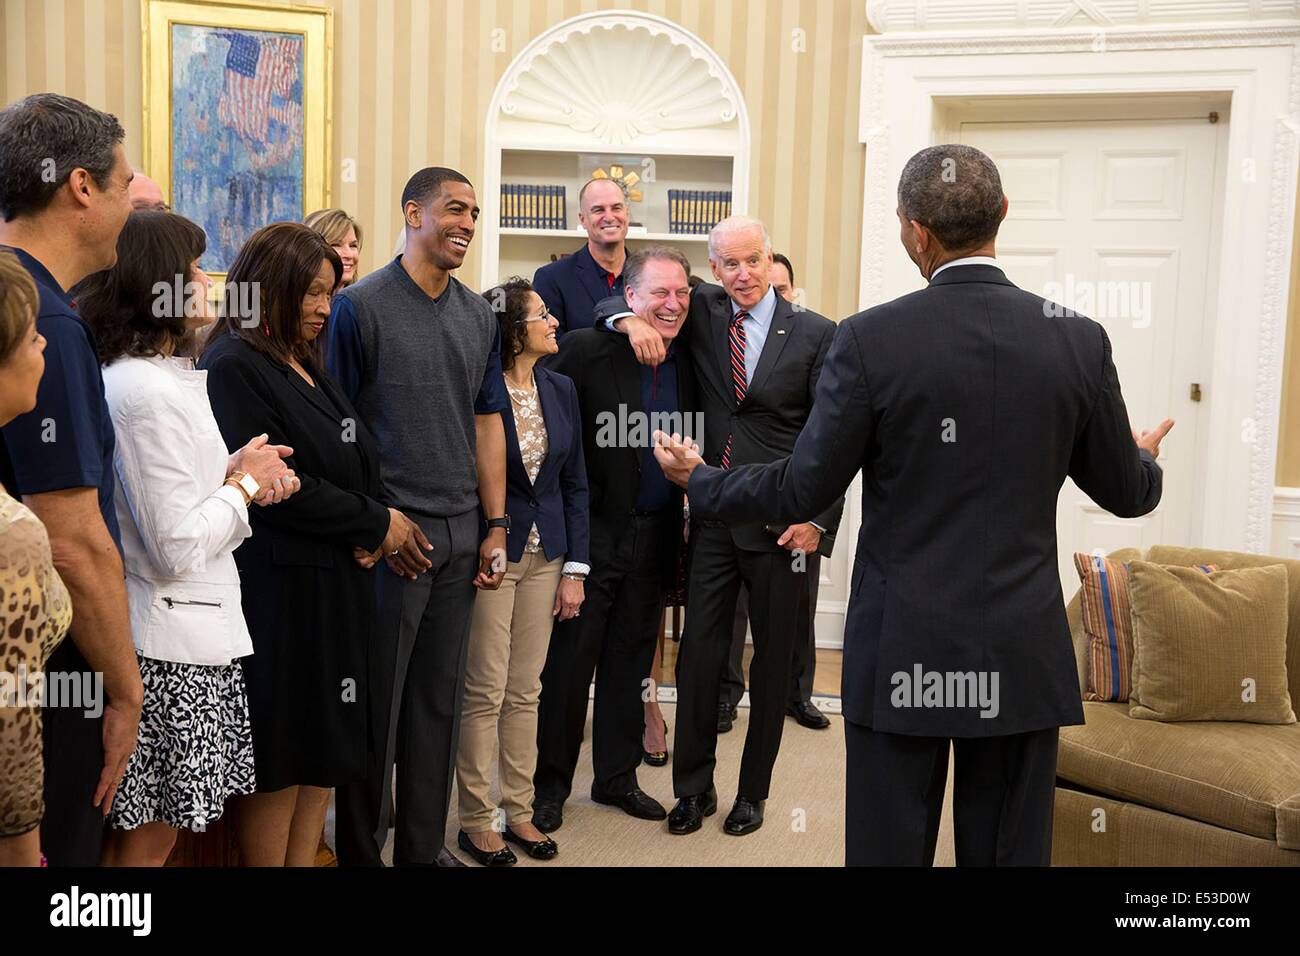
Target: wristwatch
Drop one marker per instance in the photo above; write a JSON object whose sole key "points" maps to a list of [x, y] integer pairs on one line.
{"points": [[502, 522], [245, 482]]}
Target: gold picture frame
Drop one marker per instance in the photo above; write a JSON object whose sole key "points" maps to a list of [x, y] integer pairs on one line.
{"points": [[301, 118]]}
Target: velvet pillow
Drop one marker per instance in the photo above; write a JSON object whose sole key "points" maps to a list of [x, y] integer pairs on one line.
{"points": [[1209, 646]]}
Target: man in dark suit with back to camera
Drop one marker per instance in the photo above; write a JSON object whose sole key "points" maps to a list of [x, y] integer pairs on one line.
{"points": [[757, 360], [966, 405], [572, 286]]}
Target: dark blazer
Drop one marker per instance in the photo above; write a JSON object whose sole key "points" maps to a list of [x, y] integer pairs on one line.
{"points": [[309, 606], [557, 501], [571, 287], [966, 406], [606, 375], [777, 402]]}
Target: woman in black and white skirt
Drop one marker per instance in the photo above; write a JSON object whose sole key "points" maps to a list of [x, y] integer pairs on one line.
{"points": [[182, 503]]}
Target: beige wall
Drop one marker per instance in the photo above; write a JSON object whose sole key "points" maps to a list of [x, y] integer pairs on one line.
{"points": [[412, 81]]}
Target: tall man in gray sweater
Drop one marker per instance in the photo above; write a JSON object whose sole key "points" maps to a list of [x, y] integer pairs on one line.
{"points": [[419, 355]]}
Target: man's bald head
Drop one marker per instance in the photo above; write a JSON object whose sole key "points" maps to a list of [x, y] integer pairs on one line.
{"points": [[145, 193]]}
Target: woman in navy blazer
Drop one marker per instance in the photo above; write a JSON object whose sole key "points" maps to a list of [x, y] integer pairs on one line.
{"points": [[546, 550]]}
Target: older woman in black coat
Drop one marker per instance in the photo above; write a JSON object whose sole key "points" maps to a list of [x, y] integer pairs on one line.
{"points": [[307, 592]]}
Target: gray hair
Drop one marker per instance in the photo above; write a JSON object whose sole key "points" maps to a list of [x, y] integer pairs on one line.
{"points": [[636, 263], [43, 138], [734, 224], [955, 192]]}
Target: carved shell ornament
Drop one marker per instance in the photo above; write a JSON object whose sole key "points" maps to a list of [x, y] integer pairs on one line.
{"points": [[618, 83]]}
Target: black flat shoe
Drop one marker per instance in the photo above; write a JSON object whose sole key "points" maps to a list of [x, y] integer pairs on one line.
{"points": [[635, 803], [547, 817], [501, 857], [746, 816], [689, 813], [546, 849], [807, 715], [656, 758], [727, 713]]}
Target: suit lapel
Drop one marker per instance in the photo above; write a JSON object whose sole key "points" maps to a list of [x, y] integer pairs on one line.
{"points": [[778, 334], [720, 314], [313, 395], [514, 459], [547, 399]]}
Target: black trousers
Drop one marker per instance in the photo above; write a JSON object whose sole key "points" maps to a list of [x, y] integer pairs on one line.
{"points": [[718, 569], [417, 679], [804, 668], [1003, 795], [72, 831], [613, 638]]}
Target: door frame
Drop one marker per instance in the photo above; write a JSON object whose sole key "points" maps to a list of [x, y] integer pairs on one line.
{"points": [[1192, 107], [910, 83]]}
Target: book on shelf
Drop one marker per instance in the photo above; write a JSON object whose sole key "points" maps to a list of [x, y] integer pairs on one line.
{"points": [[525, 206], [696, 211]]}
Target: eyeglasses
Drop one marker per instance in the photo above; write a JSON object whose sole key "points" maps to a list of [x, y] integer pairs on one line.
{"points": [[544, 317]]}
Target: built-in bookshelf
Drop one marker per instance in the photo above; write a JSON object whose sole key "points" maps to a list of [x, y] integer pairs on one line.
{"points": [[519, 247], [681, 127]]}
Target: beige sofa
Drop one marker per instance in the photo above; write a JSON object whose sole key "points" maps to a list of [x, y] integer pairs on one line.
{"points": [[1204, 793]]}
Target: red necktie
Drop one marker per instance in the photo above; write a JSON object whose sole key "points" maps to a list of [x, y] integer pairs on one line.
{"points": [[737, 349]]}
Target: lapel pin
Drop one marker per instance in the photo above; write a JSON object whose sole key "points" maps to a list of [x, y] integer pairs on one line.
{"points": [[780, 331]]}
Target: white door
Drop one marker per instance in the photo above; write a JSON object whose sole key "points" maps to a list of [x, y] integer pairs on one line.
{"points": [[1113, 219]]}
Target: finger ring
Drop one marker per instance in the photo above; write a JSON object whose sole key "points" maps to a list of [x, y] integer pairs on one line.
{"points": [[393, 552]]}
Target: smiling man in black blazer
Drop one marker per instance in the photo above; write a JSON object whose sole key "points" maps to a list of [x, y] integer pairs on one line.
{"points": [[636, 537], [966, 405], [757, 359]]}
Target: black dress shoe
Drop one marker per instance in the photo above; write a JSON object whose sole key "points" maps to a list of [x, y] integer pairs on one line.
{"points": [[656, 758], [635, 803], [726, 714], [501, 857], [746, 816], [548, 817], [807, 714], [546, 849], [447, 858], [689, 813]]}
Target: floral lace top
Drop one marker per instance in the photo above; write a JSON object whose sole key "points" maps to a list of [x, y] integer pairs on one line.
{"points": [[35, 611], [531, 428]]}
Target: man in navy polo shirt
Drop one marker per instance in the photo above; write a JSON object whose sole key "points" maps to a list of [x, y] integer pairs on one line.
{"points": [[63, 200], [572, 286]]}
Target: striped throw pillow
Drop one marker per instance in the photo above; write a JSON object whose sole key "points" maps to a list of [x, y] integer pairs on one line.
{"points": [[1104, 608]]}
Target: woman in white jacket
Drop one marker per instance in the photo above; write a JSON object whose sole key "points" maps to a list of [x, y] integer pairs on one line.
{"points": [[182, 503]]}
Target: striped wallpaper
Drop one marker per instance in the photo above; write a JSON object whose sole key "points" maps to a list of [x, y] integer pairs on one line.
{"points": [[412, 81]]}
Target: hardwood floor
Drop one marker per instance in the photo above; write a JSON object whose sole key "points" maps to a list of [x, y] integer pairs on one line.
{"points": [[826, 679]]}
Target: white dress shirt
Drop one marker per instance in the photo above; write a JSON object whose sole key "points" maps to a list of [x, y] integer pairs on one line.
{"points": [[967, 261], [180, 524]]}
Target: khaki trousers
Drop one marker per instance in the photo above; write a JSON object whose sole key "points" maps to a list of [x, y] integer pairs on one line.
{"points": [[509, 635]]}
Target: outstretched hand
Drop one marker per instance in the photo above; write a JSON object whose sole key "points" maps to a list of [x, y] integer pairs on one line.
{"points": [[677, 457], [1150, 440]]}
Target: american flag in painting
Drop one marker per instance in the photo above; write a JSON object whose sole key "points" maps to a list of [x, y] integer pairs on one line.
{"points": [[260, 75]]}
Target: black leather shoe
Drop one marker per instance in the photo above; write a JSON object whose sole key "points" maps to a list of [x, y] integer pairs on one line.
{"points": [[726, 714], [807, 715], [501, 857], [546, 849], [746, 816], [656, 758], [689, 813], [635, 803], [447, 858], [548, 817]]}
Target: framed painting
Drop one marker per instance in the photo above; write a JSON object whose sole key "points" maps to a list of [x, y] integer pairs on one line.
{"points": [[237, 115]]}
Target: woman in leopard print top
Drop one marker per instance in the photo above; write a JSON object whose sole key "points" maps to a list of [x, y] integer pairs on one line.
{"points": [[35, 609]]}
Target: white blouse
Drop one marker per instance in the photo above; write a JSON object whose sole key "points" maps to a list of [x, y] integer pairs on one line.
{"points": [[180, 524]]}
